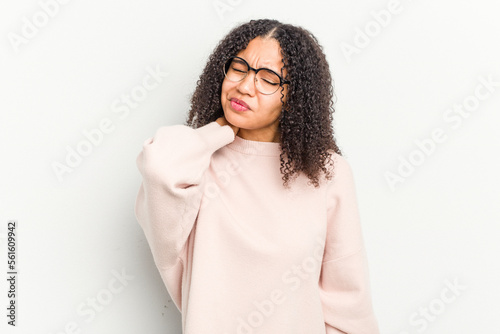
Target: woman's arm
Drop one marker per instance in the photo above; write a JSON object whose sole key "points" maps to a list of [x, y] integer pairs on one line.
{"points": [[344, 281], [173, 165]]}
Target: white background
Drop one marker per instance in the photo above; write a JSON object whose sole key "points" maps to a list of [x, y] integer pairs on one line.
{"points": [[439, 225]]}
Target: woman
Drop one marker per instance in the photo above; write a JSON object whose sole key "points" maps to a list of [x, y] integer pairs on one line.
{"points": [[240, 247]]}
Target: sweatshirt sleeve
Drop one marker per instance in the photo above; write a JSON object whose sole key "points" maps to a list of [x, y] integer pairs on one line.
{"points": [[344, 280], [173, 165]]}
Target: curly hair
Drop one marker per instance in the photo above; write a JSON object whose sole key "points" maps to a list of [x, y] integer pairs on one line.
{"points": [[305, 122]]}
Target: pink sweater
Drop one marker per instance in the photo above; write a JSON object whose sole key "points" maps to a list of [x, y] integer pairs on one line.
{"points": [[241, 254]]}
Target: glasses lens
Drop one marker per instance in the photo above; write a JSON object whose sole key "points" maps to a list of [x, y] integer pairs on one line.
{"points": [[235, 69], [267, 82]]}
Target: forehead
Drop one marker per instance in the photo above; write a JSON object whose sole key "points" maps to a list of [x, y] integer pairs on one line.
{"points": [[263, 53]]}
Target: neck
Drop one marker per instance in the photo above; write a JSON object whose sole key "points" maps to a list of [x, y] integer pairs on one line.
{"points": [[266, 136]]}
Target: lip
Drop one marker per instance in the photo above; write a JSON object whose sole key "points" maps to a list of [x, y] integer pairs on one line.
{"points": [[241, 102]]}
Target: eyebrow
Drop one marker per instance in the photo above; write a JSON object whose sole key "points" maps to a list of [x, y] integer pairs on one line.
{"points": [[267, 68]]}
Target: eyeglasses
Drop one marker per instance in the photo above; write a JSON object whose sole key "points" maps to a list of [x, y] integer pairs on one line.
{"points": [[266, 81]]}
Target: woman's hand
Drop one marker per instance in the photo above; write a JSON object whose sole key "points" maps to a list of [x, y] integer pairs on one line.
{"points": [[223, 121]]}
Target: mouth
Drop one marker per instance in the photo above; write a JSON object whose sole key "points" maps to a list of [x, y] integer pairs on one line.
{"points": [[239, 105]]}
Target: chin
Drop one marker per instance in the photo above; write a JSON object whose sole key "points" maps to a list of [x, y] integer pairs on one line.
{"points": [[233, 118]]}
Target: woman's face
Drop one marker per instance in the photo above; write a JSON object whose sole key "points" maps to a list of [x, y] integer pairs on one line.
{"points": [[260, 121]]}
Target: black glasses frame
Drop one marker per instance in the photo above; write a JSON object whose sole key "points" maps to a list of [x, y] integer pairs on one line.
{"points": [[256, 70]]}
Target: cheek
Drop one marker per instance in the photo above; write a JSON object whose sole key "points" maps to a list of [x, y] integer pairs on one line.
{"points": [[226, 87], [274, 103]]}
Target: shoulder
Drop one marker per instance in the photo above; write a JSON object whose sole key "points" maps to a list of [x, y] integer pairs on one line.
{"points": [[340, 168], [339, 165]]}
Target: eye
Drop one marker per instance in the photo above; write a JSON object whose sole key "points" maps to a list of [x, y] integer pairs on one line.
{"points": [[269, 82]]}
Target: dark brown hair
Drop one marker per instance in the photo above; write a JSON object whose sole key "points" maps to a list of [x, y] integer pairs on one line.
{"points": [[305, 125]]}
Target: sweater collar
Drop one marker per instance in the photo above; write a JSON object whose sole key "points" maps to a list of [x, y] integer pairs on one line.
{"points": [[252, 147]]}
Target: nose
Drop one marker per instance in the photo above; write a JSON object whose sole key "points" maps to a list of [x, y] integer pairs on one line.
{"points": [[247, 85]]}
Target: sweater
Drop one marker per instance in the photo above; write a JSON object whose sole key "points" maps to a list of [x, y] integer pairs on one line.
{"points": [[237, 251]]}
